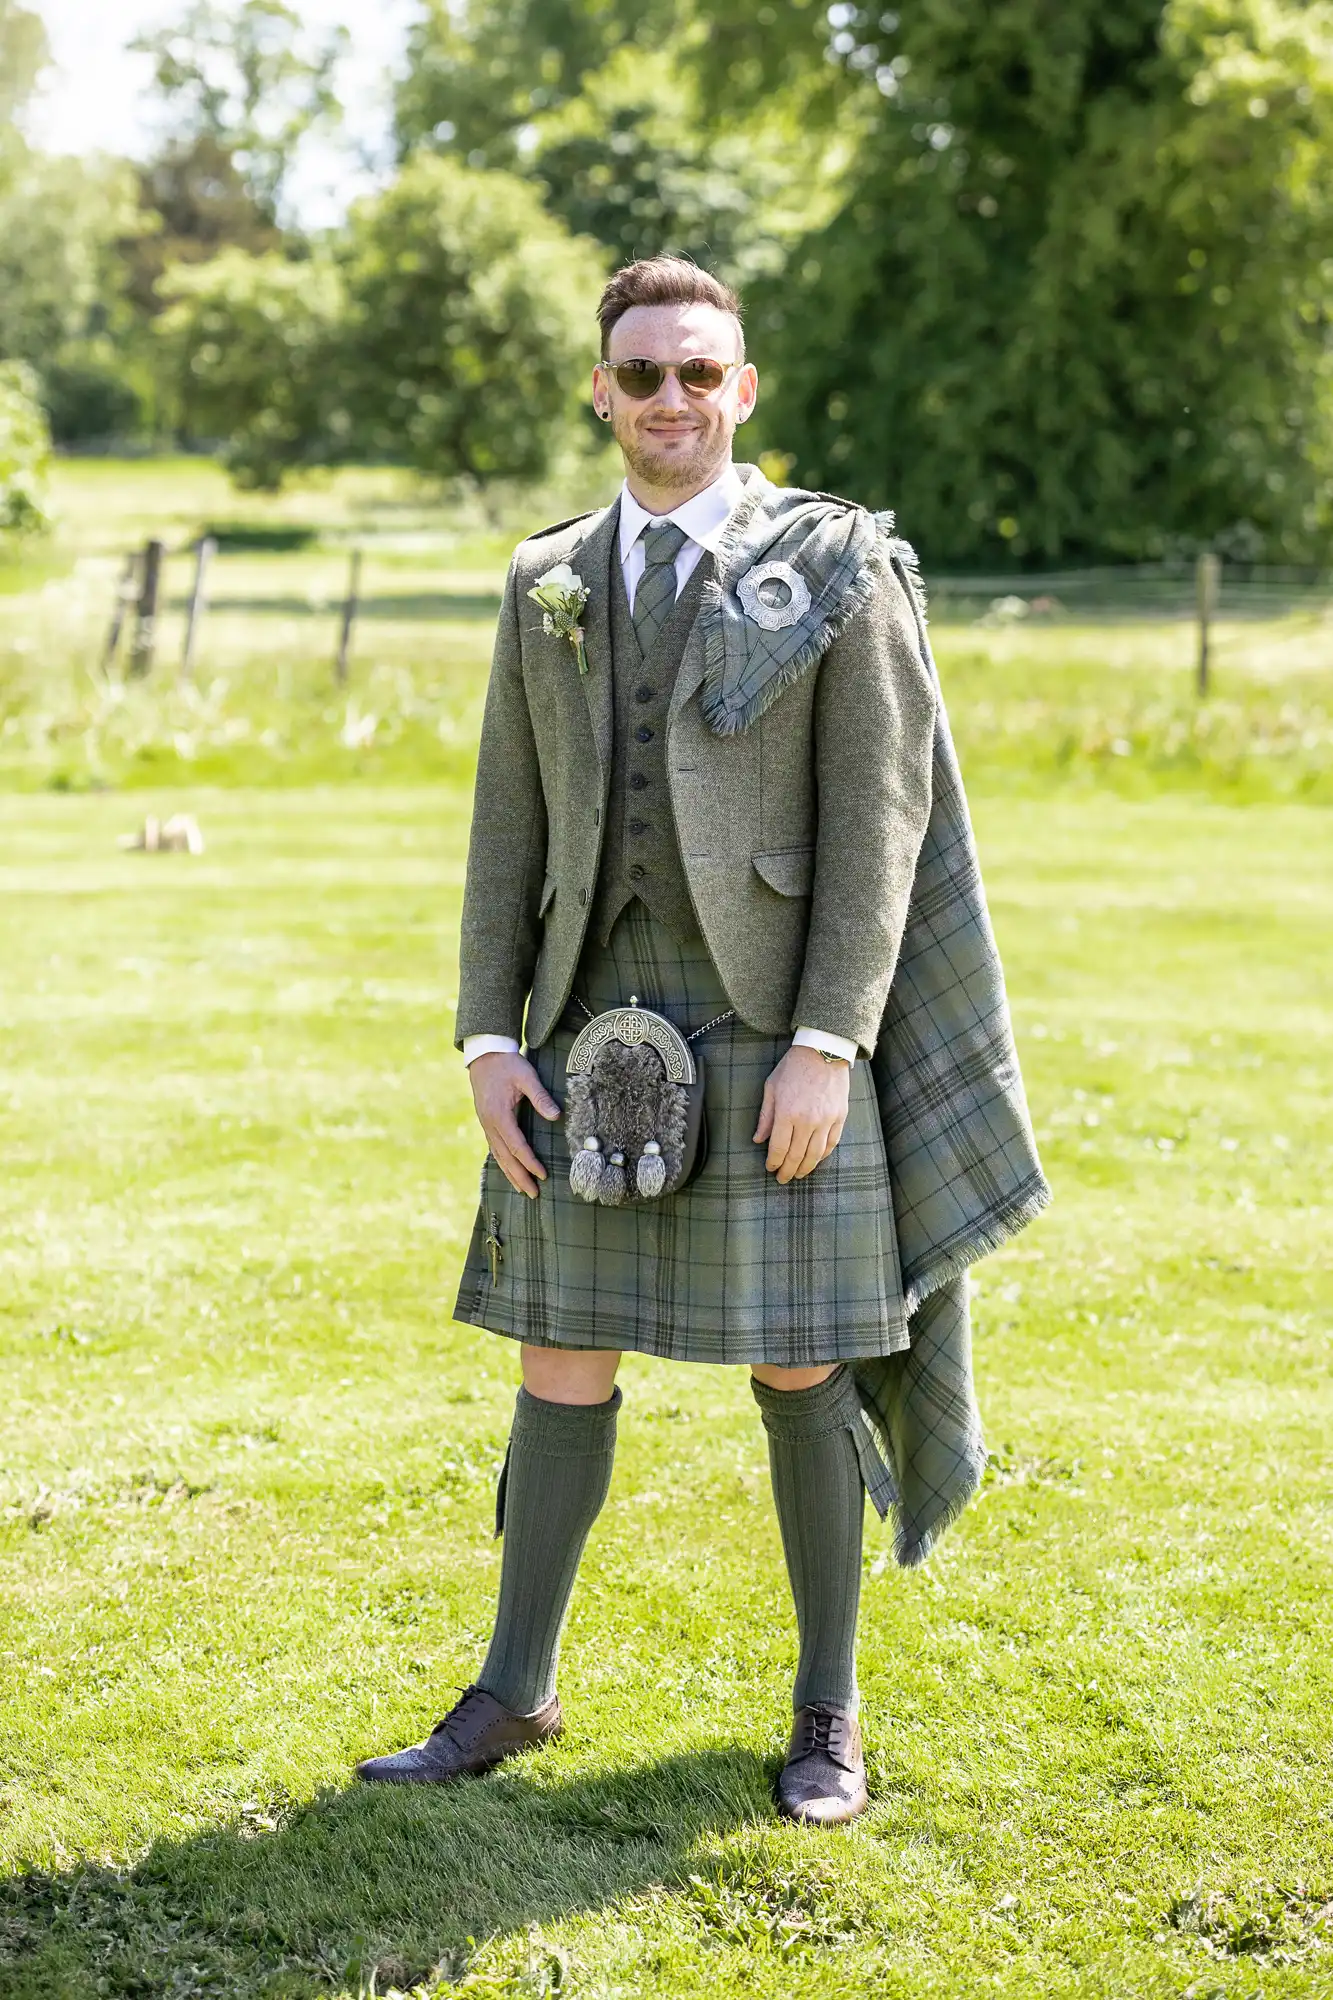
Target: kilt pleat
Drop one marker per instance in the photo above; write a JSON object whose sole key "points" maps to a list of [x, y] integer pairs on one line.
{"points": [[734, 1268]]}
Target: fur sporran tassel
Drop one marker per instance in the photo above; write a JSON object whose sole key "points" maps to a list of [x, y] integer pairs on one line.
{"points": [[613, 1187], [586, 1171], [651, 1171]]}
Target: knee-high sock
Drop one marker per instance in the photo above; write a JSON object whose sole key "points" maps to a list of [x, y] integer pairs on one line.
{"points": [[557, 1475], [820, 1498]]}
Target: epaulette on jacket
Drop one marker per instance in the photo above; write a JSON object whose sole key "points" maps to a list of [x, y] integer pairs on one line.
{"points": [[557, 527]]}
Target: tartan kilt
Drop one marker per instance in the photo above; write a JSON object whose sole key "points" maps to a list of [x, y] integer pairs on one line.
{"points": [[732, 1269]]}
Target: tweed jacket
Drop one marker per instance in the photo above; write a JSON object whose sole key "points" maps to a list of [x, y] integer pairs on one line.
{"points": [[799, 833]]}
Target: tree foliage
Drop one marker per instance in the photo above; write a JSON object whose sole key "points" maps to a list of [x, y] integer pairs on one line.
{"points": [[254, 347], [472, 325], [449, 327], [60, 217], [249, 79], [24, 448], [599, 102], [1076, 300]]}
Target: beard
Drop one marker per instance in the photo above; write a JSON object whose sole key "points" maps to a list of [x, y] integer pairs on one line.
{"points": [[668, 469]]}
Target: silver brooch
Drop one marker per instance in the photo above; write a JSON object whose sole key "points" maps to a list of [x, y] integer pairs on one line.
{"points": [[774, 595]]}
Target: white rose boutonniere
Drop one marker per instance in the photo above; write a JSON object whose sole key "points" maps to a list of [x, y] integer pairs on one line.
{"points": [[562, 595]]}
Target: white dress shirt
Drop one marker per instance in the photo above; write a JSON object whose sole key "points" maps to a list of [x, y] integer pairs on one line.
{"points": [[702, 518]]}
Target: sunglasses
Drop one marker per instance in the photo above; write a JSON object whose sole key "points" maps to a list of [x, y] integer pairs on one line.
{"points": [[699, 376]]}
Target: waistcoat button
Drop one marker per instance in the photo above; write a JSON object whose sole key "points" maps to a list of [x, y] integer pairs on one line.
{"points": [[643, 734], [638, 826], [637, 782], [638, 871], [644, 693]]}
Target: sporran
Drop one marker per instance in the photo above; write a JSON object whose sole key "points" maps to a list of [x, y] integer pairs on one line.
{"points": [[634, 1106]]}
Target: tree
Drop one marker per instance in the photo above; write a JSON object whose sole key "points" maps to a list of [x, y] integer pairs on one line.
{"points": [[598, 102], [471, 315], [255, 349], [23, 55], [24, 446], [1076, 299], [193, 203], [59, 219], [444, 329], [478, 71], [248, 79]]}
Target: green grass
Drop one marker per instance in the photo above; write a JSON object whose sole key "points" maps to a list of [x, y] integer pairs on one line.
{"points": [[248, 1466]]}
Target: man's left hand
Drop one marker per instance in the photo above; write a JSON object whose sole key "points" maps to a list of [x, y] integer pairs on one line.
{"points": [[803, 1113]]}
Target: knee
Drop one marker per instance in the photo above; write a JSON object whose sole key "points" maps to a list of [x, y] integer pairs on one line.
{"points": [[582, 1375], [793, 1378]]}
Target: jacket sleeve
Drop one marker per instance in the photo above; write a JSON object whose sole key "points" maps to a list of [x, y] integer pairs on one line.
{"points": [[874, 743], [501, 930]]}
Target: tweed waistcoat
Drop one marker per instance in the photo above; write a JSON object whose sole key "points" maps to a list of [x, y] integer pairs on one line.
{"points": [[641, 852]]}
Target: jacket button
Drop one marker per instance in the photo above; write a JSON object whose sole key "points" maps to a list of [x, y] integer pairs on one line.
{"points": [[583, 895], [597, 815], [643, 734], [638, 871]]}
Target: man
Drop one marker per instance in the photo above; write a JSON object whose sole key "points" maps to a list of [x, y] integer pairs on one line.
{"points": [[720, 780]]}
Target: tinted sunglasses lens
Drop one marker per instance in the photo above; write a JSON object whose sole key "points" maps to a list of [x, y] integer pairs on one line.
{"points": [[639, 379], [701, 377]]}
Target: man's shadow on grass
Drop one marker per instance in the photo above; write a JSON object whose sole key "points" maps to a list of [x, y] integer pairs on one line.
{"points": [[396, 1880]]}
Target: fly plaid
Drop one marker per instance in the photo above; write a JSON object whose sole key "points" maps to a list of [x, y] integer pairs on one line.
{"points": [[962, 1157]]}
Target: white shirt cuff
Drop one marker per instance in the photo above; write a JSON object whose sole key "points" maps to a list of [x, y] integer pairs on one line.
{"points": [[834, 1045], [488, 1045]]}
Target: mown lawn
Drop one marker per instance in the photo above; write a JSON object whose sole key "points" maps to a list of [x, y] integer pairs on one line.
{"points": [[247, 1463]]}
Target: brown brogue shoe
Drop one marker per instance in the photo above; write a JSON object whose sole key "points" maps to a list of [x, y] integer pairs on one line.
{"points": [[823, 1781], [478, 1733]]}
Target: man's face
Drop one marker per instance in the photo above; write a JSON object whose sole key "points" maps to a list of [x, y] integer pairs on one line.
{"points": [[672, 440]]}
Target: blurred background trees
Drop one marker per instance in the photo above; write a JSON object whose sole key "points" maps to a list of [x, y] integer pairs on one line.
{"points": [[1057, 284]]}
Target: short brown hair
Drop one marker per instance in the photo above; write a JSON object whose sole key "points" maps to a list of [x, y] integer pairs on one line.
{"points": [[662, 281]]}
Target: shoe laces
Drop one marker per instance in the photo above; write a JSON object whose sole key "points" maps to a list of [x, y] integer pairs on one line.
{"points": [[456, 1713], [819, 1728]]}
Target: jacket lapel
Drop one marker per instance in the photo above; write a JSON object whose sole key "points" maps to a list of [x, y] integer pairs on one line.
{"points": [[593, 559]]}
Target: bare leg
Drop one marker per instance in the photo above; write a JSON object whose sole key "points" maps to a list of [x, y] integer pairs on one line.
{"points": [[581, 1375], [791, 1378]]}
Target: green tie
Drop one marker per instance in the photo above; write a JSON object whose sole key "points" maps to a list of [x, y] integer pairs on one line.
{"points": [[656, 593]]}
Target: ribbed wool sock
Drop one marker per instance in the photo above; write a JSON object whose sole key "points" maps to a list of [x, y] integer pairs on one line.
{"points": [[820, 1499], [558, 1472]]}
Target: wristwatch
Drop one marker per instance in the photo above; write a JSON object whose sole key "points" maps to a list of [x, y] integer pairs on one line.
{"points": [[829, 1056]]}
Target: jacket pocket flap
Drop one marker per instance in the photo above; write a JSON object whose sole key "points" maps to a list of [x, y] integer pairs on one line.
{"points": [[548, 893], [789, 870]]}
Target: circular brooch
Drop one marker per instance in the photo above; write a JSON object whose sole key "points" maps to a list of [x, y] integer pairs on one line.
{"points": [[773, 595]]}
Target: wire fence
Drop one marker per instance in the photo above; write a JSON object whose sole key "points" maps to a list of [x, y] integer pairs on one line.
{"points": [[1133, 591], [1205, 592]]}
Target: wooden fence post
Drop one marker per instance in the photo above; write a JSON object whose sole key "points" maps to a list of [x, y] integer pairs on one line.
{"points": [[124, 593], [145, 613], [350, 606], [205, 550], [1207, 578]]}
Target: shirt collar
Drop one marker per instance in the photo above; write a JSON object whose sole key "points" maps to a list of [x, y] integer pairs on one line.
{"points": [[702, 518]]}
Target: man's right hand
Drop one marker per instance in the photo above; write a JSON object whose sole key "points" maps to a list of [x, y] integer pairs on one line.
{"points": [[499, 1085]]}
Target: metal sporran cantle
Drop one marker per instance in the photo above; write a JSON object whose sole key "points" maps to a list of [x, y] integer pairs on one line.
{"points": [[634, 1106]]}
